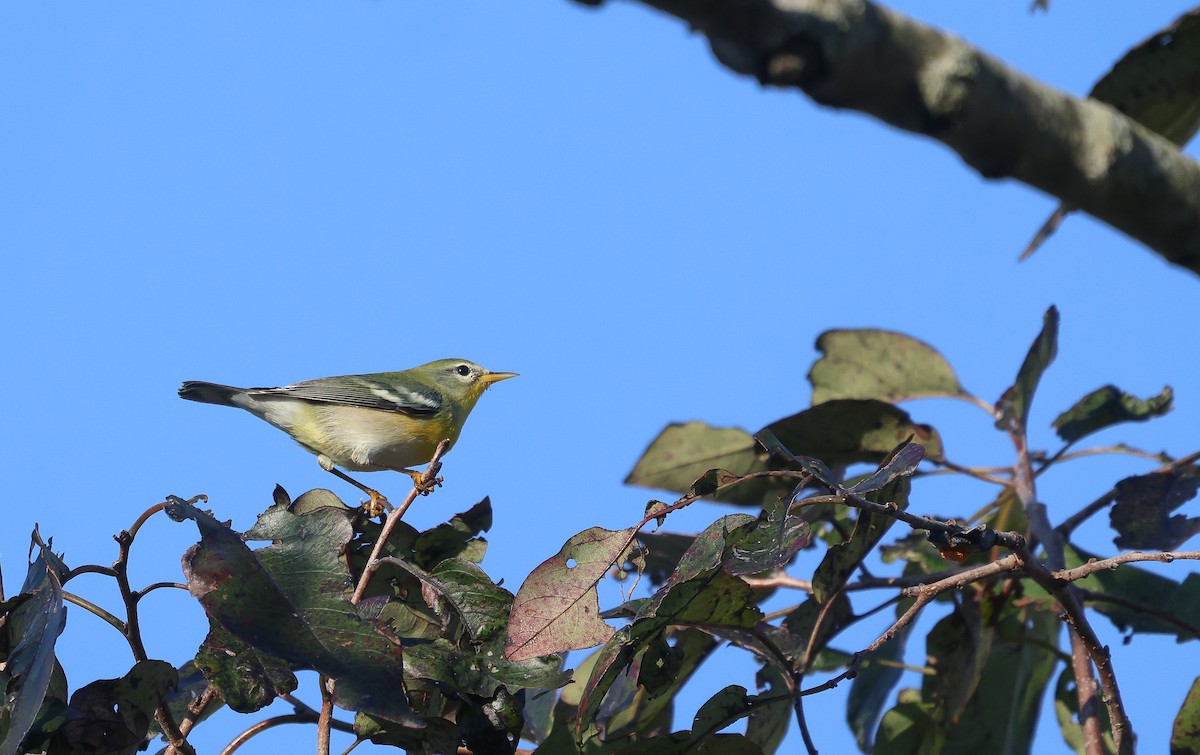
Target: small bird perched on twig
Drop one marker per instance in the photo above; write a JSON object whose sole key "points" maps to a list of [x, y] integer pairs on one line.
{"points": [[366, 423]]}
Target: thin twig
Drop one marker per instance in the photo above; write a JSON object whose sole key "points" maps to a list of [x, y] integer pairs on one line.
{"points": [[325, 718], [1095, 565], [1090, 596], [303, 715], [137, 525], [133, 635], [393, 519], [1105, 450], [924, 594], [977, 473], [353, 746], [91, 607], [989, 409], [195, 710], [261, 726], [798, 707], [911, 581], [1087, 512], [1079, 517], [779, 580], [106, 571], [159, 586]]}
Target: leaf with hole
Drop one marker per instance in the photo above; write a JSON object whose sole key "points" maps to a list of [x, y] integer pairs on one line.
{"points": [[557, 607]]}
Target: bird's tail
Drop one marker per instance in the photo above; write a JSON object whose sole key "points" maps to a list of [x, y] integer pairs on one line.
{"points": [[209, 393]]}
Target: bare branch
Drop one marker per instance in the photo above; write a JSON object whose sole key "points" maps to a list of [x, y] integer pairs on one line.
{"points": [[779, 580], [393, 520], [1095, 565], [1098, 653]]}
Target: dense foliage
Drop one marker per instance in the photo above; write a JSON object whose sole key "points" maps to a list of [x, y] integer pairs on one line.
{"points": [[407, 630]]}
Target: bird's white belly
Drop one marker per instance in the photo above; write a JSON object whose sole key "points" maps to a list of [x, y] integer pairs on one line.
{"points": [[355, 438]]}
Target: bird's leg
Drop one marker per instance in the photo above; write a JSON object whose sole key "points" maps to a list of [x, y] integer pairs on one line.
{"points": [[425, 488], [378, 502]]}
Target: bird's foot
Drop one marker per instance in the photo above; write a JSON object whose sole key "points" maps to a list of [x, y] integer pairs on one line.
{"points": [[377, 504], [423, 487]]}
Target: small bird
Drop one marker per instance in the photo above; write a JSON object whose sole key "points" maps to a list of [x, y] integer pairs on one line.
{"points": [[366, 423]]}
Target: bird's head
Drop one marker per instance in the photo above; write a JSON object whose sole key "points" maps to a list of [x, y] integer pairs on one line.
{"points": [[461, 381]]}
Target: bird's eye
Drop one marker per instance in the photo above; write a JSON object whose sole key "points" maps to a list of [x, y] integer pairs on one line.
{"points": [[463, 370]]}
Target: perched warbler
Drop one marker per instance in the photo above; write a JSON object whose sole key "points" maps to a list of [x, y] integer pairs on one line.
{"points": [[366, 423]]}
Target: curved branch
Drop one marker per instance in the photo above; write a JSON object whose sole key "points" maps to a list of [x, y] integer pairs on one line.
{"points": [[858, 55]]}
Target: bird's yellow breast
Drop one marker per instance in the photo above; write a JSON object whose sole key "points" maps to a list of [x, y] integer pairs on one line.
{"points": [[370, 440]]}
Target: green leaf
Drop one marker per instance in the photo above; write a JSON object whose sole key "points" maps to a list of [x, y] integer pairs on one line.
{"points": [[686, 743], [661, 672], [699, 594], [909, 728], [770, 543], [845, 431], [820, 472], [1157, 83], [811, 626], [879, 364], [458, 538], [715, 598], [1185, 734], [32, 627], [1013, 407], [1142, 516], [188, 690], [247, 678], [872, 686], [719, 712], [112, 716], [313, 500], [712, 546], [683, 452], [1002, 714], [957, 648], [435, 737], [902, 463], [539, 714], [914, 548], [1109, 406], [663, 551], [769, 722], [53, 714], [460, 590], [842, 559], [557, 607], [1140, 601], [1066, 710], [291, 600]]}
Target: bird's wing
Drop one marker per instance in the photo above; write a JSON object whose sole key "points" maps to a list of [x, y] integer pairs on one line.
{"points": [[406, 397]]}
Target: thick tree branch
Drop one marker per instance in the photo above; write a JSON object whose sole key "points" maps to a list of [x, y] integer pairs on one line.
{"points": [[858, 55]]}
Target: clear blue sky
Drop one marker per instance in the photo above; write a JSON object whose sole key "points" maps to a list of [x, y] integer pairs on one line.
{"points": [[266, 192]]}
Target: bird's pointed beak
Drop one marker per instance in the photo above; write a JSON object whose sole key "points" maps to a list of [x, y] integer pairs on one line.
{"points": [[496, 377]]}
